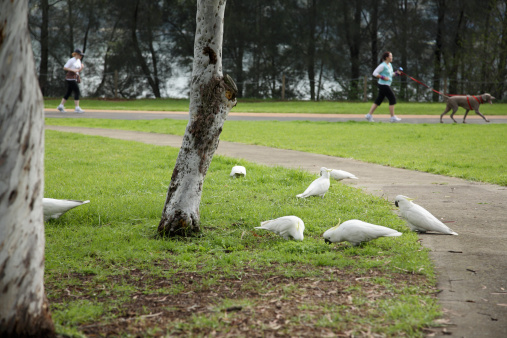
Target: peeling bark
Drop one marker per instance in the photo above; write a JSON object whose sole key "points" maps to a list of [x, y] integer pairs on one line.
{"points": [[211, 98], [23, 304]]}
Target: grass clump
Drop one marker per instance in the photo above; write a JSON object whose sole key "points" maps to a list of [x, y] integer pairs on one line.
{"points": [[106, 257]]}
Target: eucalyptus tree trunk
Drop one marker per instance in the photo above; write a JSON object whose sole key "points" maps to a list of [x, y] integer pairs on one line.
{"points": [[211, 98], [23, 305]]}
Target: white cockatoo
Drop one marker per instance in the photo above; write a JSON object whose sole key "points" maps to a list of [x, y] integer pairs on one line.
{"points": [[341, 175], [54, 208], [286, 226], [238, 171], [418, 218], [355, 232], [319, 187]]}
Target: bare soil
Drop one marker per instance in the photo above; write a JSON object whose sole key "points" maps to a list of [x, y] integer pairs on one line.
{"points": [[258, 305]]}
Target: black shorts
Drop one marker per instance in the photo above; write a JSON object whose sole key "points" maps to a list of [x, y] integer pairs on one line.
{"points": [[72, 87], [383, 92]]}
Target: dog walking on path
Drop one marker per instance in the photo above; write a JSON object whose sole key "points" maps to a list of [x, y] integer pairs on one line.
{"points": [[468, 102]]}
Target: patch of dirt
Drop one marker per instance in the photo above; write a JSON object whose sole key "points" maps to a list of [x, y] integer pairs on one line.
{"points": [[258, 304]]}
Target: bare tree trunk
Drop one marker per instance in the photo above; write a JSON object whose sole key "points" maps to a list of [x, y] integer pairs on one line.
{"points": [[100, 89], [70, 21], [438, 49], [353, 37], [502, 60], [404, 21], [455, 58], [211, 98], [153, 83], [23, 305], [44, 47], [310, 63], [374, 42]]}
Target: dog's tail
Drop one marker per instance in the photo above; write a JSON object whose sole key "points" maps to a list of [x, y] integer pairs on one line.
{"points": [[445, 97]]}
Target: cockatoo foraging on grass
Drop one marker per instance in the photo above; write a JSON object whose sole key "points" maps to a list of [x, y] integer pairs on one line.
{"points": [[341, 175], [355, 232], [418, 218], [286, 226], [319, 187], [54, 208], [238, 171]]}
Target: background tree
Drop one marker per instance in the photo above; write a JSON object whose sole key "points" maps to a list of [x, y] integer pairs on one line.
{"points": [[352, 20], [323, 48], [440, 5], [23, 304], [211, 98], [237, 40]]}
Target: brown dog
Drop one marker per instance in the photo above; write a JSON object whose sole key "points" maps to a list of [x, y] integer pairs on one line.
{"points": [[468, 102]]}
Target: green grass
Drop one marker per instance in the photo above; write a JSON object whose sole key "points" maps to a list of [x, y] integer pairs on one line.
{"points": [[104, 257], [472, 152], [273, 106]]}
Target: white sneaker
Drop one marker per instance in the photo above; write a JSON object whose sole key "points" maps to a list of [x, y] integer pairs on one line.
{"points": [[369, 118], [79, 110], [395, 119], [61, 108]]}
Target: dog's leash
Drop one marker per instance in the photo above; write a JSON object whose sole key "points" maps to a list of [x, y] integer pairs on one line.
{"points": [[415, 80], [436, 91]]}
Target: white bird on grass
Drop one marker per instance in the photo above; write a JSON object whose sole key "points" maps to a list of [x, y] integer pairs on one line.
{"points": [[54, 208], [341, 175], [238, 171], [319, 187], [286, 226], [355, 232], [418, 218]]}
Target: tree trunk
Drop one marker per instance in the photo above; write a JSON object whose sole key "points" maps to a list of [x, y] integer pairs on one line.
{"points": [[404, 23], [239, 70], [100, 89], [312, 13], [438, 49], [23, 305], [211, 98], [70, 21], [374, 43], [44, 47], [353, 36], [153, 84], [502, 60], [456, 55]]}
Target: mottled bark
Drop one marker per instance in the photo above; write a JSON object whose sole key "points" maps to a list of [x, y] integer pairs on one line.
{"points": [[211, 98], [23, 305]]}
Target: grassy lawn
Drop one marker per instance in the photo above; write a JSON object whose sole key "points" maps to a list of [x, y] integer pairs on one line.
{"points": [[473, 152], [272, 106], [107, 273]]}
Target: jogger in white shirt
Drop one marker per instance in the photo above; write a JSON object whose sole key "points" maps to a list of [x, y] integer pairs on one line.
{"points": [[72, 67]]}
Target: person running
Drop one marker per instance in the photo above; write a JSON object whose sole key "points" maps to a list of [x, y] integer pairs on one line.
{"points": [[384, 72], [72, 67]]}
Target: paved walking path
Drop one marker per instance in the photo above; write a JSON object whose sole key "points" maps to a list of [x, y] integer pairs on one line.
{"points": [[471, 268]]}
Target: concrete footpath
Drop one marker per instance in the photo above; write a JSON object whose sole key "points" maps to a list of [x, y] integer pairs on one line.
{"points": [[471, 268]]}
